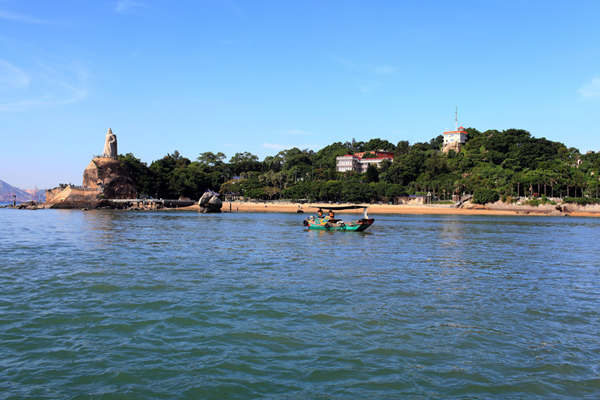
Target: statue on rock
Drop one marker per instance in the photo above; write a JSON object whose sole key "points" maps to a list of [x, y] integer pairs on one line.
{"points": [[110, 145]]}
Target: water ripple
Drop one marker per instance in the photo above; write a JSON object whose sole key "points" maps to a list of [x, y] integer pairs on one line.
{"points": [[109, 304]]}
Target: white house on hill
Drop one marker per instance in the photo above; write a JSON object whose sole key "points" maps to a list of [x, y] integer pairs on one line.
{"points": [[359, 162], [453, 140]]}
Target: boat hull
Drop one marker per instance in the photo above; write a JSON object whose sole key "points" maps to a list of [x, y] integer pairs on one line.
{"points": [[356, 226]]}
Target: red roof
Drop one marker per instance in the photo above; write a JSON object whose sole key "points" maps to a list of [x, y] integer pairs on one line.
{"points": [[378, 155], [460, 130], [389, 157]]}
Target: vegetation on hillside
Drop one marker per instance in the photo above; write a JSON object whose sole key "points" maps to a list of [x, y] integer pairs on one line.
{"points": [[492, 164]]}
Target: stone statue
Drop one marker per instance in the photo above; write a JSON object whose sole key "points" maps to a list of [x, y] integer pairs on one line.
{"points": [[110, 145]]}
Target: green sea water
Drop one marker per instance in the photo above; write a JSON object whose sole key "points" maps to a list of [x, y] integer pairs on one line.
{"points": [[134, 305]]}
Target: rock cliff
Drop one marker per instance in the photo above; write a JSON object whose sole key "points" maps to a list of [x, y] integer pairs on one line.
{"points": [[110, 177], [103, 178], [72, 197]]}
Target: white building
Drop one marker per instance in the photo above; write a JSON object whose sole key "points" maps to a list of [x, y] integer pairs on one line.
{"points": [[453, 140], [359, 162], [347, 163]]}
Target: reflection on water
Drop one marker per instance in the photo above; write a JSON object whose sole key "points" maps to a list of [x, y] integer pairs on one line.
{"points": [[180, 304]]}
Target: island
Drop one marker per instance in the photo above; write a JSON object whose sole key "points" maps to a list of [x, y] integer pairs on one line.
{"points": [[506, 172]]}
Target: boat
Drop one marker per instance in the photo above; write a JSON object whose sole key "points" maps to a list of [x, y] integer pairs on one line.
{"points": [[333, 224]]}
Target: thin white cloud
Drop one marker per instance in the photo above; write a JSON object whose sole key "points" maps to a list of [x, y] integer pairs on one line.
{"points": [[385, 70], [48, 87], [590, 89], [75, 95], [45, 101], [297, 132], [11, 16], [275, 146], [128, 6], [12, 76], [279, 147]]}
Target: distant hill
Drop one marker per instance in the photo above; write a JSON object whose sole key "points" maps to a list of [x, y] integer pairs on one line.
{"points": [[8, 191]]}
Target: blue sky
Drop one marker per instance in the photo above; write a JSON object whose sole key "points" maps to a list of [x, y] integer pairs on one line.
{"points": [[260, 76]]}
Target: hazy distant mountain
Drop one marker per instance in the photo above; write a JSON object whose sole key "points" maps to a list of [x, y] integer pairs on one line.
{"points": [[8, 191]]}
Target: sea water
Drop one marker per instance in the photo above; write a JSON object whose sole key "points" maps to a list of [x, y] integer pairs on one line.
{"points": [[145, 305]]}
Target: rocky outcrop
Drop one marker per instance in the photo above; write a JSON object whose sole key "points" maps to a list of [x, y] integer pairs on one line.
{"points": [[72, 197], [29, 205], [210, 202], [103, 178], [111, 177], [451, 146]]}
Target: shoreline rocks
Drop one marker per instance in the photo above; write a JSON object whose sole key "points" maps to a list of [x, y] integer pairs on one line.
{"points": [[210, 202]]}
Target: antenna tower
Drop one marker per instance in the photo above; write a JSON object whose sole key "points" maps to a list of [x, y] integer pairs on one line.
{"points": [[456, 117]]}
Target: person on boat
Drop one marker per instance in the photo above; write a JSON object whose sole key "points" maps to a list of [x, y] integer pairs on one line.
{"points": [[331, 214], [320, 213]]}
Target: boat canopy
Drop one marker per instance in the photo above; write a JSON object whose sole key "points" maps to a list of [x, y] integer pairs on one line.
{"points": [[339, 207]]}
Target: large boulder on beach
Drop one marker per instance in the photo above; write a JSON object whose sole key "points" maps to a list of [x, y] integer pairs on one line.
{"points": [[210, 202]]}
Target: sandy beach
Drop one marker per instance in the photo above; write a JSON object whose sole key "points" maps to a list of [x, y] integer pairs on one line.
{"points": [[495, 209]]}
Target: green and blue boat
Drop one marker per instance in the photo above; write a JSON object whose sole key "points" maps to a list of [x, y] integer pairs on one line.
{"points": [[330, 223]]}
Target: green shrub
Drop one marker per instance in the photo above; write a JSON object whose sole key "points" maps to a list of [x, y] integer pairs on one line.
{"points": [[484, 196], [546, 200], [539, 200], [508, 199], [582, 201]]}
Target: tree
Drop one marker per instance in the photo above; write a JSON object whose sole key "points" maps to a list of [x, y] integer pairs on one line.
{"points": [[484, 196], [379, 144], [402, 148], [211, 159], [140, 173], [273, 163], [189, 181], [162, 171], [244, 162], [372, 174], [506, 162]]}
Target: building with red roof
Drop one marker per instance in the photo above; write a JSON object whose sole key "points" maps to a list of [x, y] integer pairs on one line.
{"points": [[453, 140], [359, 162]]}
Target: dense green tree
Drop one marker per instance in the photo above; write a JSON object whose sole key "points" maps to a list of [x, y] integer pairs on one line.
{"points": [[403, 147], [244, 162], [485, 195], [211, 159], [372, 174], [325, 158], [162, 171], [378, 144], [140, 173], [509, 163], [189, 181]]}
